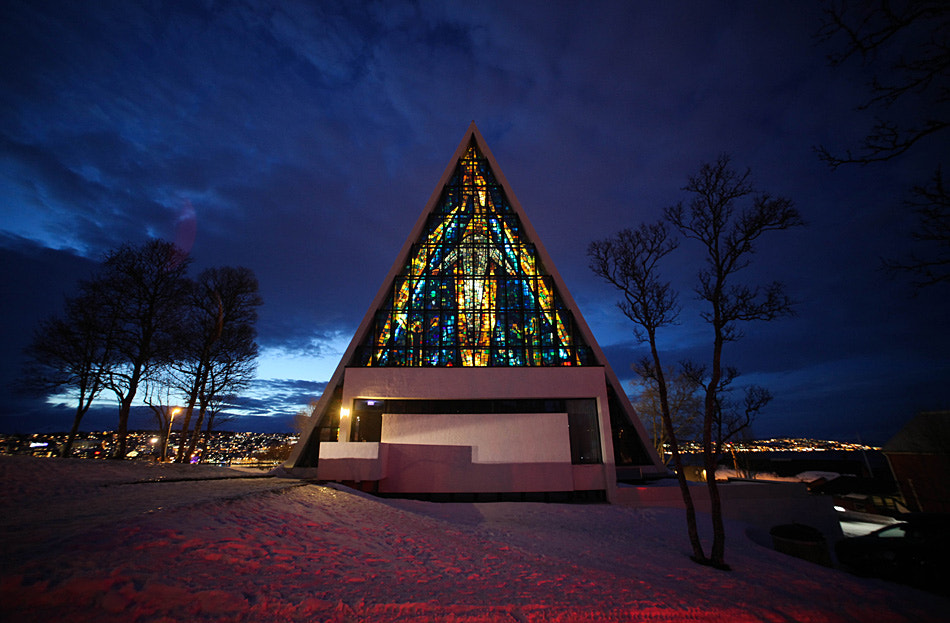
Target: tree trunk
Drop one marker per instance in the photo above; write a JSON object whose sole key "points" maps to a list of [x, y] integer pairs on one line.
{"points": [[186, 423], [208, 428], [68, 446], [85, 401], [717, 554], [692, 530], [194, 437], [194, 393], [125, 407]]}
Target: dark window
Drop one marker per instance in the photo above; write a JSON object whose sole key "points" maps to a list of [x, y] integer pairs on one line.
{"points": [[367, 420], [581, 416], [585, 433], [628, 447]]}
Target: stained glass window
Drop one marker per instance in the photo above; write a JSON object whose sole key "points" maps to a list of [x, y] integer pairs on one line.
{"points": [[473, 292]]}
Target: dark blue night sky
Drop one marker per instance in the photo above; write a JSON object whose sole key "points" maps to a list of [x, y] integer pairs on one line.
{"points": [[302, 139]]}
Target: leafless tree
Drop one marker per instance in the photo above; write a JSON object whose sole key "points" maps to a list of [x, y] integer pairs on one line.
{"points": [[71, 353], [727, 237], [907, 45], [218, 351], [629, 261], [301, 420], [141, 327], [159, 398], [143, 288], [732, 418], [686, 406], [931, 265]]}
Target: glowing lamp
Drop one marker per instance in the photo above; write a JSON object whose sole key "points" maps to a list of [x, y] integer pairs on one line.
{"points": [[344, 413]]}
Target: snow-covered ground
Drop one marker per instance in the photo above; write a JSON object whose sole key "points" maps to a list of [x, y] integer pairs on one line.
{"points": [[107, 541]]}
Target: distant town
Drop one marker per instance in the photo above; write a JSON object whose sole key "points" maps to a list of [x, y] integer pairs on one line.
{"points": [[220, 448], [270, 449], [785, 445]]}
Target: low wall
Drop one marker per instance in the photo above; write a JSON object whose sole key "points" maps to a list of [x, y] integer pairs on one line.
{"points": [[427, 468], [352, 461], [450, 469]]}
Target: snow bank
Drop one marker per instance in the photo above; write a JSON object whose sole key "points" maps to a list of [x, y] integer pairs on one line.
{"points": [[132, 542], [725, 473]]}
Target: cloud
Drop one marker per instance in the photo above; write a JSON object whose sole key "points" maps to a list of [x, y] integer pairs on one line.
{"points": [[307, 137], [270, 404]]}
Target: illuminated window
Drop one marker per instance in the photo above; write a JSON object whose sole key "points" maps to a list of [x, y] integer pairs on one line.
{"points": [[473, 292]]}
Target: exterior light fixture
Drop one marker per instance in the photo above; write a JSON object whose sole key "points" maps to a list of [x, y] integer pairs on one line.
{"points": [[344, 413], [168, 433]]}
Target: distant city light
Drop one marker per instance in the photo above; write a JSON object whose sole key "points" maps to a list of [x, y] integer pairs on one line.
{"points": [[262, 450]]}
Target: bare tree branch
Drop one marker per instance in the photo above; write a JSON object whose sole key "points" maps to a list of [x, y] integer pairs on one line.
{"points": [[907, 43]]}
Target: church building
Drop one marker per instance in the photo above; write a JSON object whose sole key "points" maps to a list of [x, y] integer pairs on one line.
{"points": [[473, 374]]}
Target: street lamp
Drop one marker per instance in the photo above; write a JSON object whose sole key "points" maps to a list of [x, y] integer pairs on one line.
{"points": [[168, 433]]}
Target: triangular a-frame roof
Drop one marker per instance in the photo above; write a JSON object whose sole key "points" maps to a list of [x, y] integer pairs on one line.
{"points": [[424, 315]]}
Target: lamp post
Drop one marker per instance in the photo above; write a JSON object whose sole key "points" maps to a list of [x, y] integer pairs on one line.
{"points": [[168, 433]]}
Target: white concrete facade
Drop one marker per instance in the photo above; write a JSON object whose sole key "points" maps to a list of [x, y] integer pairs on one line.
{"points": [[493, 437], [470, 452]]}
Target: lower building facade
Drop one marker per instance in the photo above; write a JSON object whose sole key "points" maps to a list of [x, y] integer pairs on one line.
{"points": [[476, 431]]}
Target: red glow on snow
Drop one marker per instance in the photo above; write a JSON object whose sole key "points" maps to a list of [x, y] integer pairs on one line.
{"points": [[279, 550]]}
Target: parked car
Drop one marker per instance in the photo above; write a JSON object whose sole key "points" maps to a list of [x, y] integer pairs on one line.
{"points": [[915, 551]]}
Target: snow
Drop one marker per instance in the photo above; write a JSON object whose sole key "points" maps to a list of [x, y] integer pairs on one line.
{"points": [[112, 541], [725, 473], [854, 523]]}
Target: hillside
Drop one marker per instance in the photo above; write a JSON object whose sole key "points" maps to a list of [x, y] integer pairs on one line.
{"points": [[107, 541]]}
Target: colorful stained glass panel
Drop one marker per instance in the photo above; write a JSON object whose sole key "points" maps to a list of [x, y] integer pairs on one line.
{"points": [[473, 291]]}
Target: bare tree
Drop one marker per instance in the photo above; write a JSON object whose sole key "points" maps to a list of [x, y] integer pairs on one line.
{"points": [[72, 352], [931, 266], [907, 44], [731, 418], [214, 416], [159, 398], [629, 262], [228, 375], [686, 407], [219, 349], [728, 238], [301, 419], [143, 288]]}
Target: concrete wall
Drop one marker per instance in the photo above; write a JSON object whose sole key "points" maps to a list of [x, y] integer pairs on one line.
{"points": [[463, 453], [469, 383], [450, 469], [351, 462], [428, 468], [493, 438], [445, 453]]}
